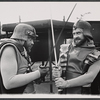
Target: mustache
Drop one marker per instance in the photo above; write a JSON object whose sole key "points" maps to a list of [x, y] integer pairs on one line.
{"points": [[77, 38]]}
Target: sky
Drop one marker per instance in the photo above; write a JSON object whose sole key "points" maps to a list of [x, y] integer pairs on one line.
{"points": [[10, 12]]}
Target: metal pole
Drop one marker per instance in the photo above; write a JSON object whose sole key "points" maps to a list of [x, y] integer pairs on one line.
{"points": [[50, 68]]}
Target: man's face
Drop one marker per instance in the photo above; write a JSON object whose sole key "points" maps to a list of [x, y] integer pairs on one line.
{"points": [[29, 44], [78, 37]]}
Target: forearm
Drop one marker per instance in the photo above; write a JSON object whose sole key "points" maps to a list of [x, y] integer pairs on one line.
{"points": [[80, 81], [86, 78], [21, 79]]}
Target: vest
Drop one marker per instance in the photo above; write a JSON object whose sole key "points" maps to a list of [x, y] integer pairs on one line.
{"points": [[22, 65], [74, 61]]}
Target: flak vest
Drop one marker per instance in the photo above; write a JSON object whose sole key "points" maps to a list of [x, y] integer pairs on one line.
{"points": [[22, 64], [74, 62]]}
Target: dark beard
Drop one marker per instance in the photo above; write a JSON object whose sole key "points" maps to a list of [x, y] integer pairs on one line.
{"points": [[26, 47], [81, 42]]}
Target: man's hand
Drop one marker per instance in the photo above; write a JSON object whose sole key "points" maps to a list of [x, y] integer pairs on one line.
{"points": [[43, 70], [60, 82], [56, 72]]}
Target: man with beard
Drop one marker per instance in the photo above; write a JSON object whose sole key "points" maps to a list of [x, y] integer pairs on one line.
{"points": [[16, 76], [80, 64]]}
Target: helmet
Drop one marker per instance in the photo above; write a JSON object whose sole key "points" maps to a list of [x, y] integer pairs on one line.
{"points": [[85, 26], [22, 31]]}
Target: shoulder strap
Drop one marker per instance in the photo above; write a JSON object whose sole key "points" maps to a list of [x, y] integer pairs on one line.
{"points": [[5, 41]]}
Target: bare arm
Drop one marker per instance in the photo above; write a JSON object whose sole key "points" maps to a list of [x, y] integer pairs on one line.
{"points": [[87, 78], [9, 70], [82, 80]]}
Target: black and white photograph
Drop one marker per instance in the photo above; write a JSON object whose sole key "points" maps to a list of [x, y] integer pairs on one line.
{"points": [[49, 49]]}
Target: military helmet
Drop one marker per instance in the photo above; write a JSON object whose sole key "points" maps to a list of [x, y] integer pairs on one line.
{"points": [[22, 31], [85, 26]]}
